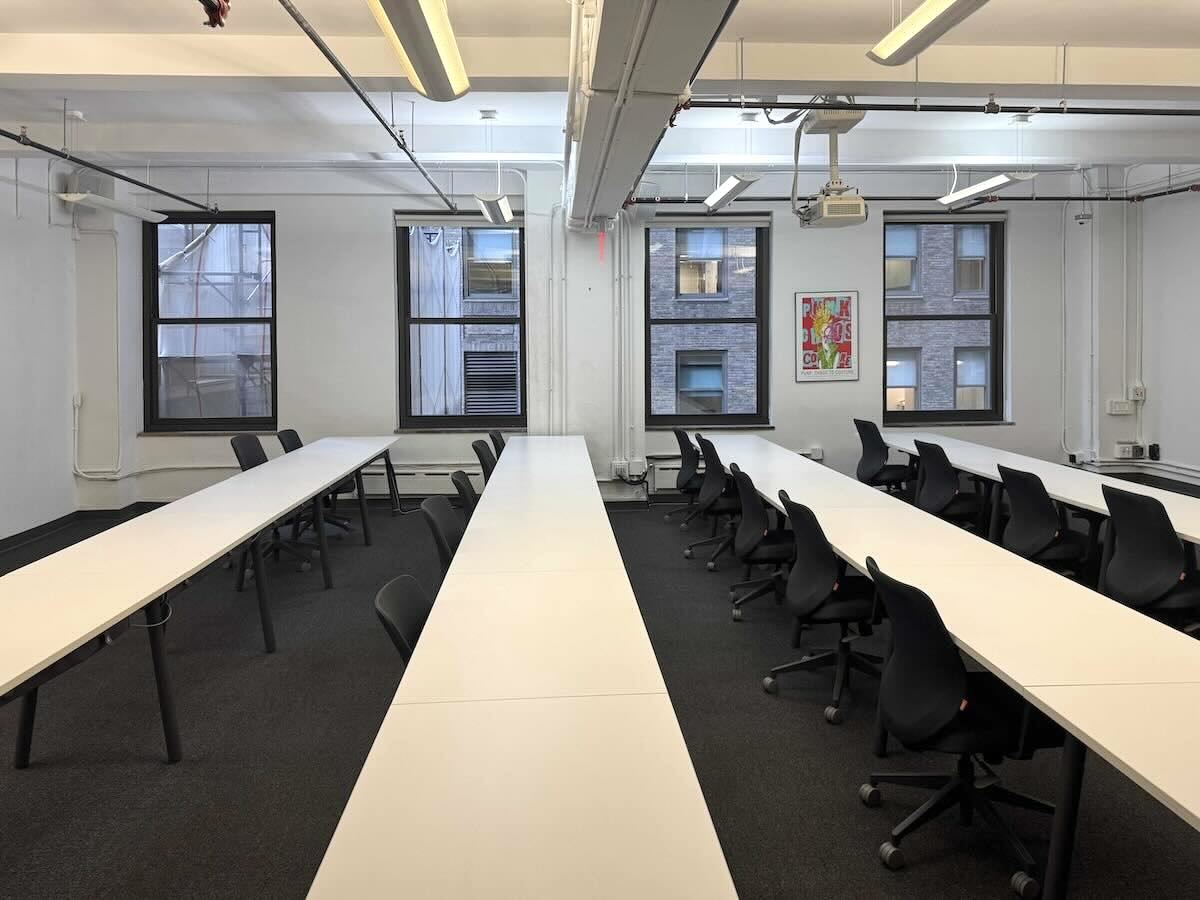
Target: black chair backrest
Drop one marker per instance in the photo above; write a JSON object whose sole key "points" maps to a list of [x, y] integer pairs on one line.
{"points": [[466, 492], [938, 481], [403, 606], [249, 450], [487, 461], [715, 480], [874, 450], [289, 440], [446, 526], [497, 442], [689, 459], [1147, 557], [1035, 521], [817, 568], [754, 521], [924, 681]]}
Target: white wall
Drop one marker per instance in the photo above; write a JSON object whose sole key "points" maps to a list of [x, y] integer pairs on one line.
{"points": [[37, 300]]}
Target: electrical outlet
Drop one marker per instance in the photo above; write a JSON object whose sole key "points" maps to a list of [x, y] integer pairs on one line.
{"points": [[1120, 407], [1137, 393], [1129, 450]]}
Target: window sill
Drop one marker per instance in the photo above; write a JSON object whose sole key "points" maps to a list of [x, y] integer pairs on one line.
{"points": [[935, 423], [218, 434], [468, 429], [707, 427]]}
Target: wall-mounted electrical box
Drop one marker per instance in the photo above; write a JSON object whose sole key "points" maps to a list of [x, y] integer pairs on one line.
{"points": [[1129, 450], [1137, 392], [1120, 407]]}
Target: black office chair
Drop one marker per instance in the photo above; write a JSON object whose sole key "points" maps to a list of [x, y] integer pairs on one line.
{"points": [[873, 466], [938, 490], [403, 606], [289, 440], [1037, 527], [717, 501], [756, 543], [819, 592], [466, 492], [689, 479], [250, 453], [497, 442], [1146, 566], [447, 528], [931, 703], [487, 462]]}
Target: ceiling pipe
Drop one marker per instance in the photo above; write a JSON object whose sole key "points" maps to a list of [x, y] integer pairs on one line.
{"points": [[26, 141], [990, 108], [572, 90], [884, 198], [395, 135]]}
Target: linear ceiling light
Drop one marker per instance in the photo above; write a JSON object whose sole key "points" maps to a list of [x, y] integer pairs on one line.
{"points": [[922, 27], [96, 201], [428, 51], [988, 184], [495, 208], [727, 190]]}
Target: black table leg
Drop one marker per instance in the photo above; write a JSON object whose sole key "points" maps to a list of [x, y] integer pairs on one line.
{"points": [[25, 730], [994, 524], [1066, 812], [322, 540], [264, 599], [362, 507], [156, 617], [393, 490]]}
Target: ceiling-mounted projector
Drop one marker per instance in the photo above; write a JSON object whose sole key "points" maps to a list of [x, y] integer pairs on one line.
{"points": [[834, 206], [834, 210]]}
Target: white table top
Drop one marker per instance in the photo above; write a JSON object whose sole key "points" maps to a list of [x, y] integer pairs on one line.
{"points": [[531, 749], [56, 604], [1067, 484]]}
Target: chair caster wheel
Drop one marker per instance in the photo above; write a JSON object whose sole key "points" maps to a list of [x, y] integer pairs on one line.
{"points": [[683, 527], [834, 716], [687, 554], [1025, 886], [711, 566], [736, 614], [869, 795], [770, 685], [891, 856], [667, 518], [306, 566]]}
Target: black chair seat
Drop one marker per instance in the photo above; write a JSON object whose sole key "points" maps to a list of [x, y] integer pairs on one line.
{"points": [[726, 505], [1068, 546], [963, 506], [986, 726], [891, 474], [775, 547], [693, 484], [1186, 595]]}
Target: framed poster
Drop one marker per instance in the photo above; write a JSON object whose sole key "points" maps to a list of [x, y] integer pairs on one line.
{"points": [[827, 336]]}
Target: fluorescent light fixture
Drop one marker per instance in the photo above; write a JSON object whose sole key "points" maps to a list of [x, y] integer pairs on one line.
{"points": [[727, 190], [495, 208], [988, 184], [428, 52], [96, 201], [922, 27]]}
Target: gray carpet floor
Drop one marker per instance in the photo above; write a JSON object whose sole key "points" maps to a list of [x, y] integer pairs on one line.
{"points": [[273, 745]]}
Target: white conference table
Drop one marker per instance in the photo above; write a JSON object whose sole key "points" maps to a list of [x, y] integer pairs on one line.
{"points": [[57, 604], [1070, 651], [1070, 485], [531, 749]]}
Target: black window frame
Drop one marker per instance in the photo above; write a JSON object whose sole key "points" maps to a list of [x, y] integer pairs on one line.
{"points": [[404, 300], [152, 422], [995, 262], [719, 293], [761, 318]]}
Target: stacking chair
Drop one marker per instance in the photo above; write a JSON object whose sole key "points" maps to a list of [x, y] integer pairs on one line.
{"points": [[447, 528], [717, 501], [689, 479], [289, 439], [1037, 528], [497, 442], [403, 606], [938, 488], [873, 466], [466, 492], [250, 453], [1145, 564], [929, 701], [487, 462], [756, 543], [820, 593]]}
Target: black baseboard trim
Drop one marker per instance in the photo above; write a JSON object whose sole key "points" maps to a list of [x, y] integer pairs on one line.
{"points": [[38, 532]]}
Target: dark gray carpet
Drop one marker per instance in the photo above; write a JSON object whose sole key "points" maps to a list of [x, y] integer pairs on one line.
{"points": [[781, 783]]}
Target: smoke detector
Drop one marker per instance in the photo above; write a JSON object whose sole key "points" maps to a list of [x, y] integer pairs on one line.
{"points": [[488, 115], [749, 116]]}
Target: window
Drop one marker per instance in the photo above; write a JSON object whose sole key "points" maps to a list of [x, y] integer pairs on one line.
{"points": [[943, 346], [700, 381], [903, 378], [970, 259], [700, 261], [901, 252], [209, 335], [462, 326], [706, 362]]}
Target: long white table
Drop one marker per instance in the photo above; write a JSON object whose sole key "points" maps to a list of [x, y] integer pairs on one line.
{"points": [[1083, 659], [51, 607], [531, 749]]}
